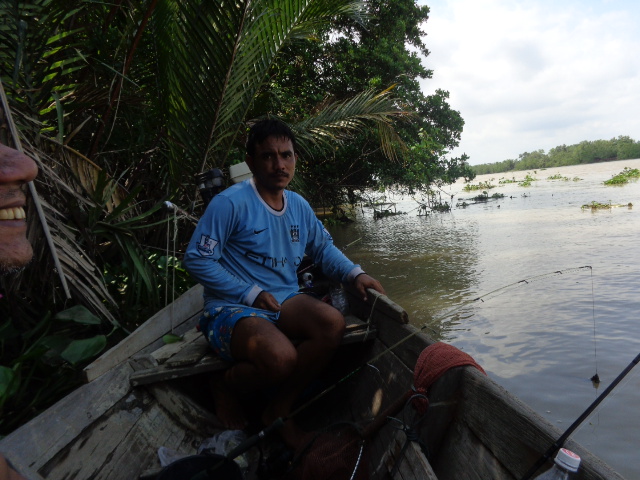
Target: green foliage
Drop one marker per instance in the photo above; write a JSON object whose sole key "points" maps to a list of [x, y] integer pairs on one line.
{"points": [[378, 52], [482, 198], [171, 338], [597, 205], [623, 177], [469, 187], [41, 363], [527, 181], [620, 148], [557, 176]]}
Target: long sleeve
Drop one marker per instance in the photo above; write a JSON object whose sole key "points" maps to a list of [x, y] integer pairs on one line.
{"points": [[321, 249], [202, 258]]}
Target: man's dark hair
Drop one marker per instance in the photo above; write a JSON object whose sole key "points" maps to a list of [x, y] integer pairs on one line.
{"points": [[264, 129]]}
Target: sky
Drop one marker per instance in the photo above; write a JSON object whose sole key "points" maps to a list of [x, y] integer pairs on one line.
{"points": [[531, 75]]}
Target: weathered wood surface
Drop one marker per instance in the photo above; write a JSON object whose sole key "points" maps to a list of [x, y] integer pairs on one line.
{"points": [[178, 317], [164, 353], [358, 330], [107, 430], [383, 307], [33, 444], [122, 443], [162, 373], [179, 406], [406, 341], [410, 464], [464, 457]]}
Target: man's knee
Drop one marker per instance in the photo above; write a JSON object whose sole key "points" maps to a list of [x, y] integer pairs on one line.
{"points": [[331, 326], [278, 364]]}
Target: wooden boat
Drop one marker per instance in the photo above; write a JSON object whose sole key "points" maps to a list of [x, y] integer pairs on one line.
{"points": [[144, 394]]}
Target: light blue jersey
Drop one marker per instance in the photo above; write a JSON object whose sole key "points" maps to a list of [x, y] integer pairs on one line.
{"points": [[242, 246]]}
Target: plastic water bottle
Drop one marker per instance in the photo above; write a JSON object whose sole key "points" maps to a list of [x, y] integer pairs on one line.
{"points": [[339, 299], [566, 463]]}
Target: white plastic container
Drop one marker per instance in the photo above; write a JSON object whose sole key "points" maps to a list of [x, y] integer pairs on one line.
{"points": [[239, 172]]}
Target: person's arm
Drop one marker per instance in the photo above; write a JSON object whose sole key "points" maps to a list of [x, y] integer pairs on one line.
{"points": [[202, 256], [335, 264]]}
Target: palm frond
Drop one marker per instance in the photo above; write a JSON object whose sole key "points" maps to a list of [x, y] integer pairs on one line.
{"points": [[214, 60], [338, 121]]}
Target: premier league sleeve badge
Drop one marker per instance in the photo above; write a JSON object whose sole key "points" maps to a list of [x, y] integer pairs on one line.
{"points": [[206, 245]]}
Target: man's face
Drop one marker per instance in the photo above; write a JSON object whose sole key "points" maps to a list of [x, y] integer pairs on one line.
{"points": [[273, 164], [16, 170]]}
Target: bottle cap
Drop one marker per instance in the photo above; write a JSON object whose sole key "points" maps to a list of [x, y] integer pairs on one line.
{"points": [[567, 459]]}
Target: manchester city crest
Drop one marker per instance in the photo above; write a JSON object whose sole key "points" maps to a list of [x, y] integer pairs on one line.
{"points": [[295, 233]]}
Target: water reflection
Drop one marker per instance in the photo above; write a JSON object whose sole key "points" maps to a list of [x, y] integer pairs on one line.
{"points": [[536, 340], [426, 264]]}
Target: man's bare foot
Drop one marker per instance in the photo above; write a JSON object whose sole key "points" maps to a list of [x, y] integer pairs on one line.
{"points": [[228, 408]]}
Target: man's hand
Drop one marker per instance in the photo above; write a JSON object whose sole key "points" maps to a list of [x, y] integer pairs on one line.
{"points": [[364, 281], [266, 301]]}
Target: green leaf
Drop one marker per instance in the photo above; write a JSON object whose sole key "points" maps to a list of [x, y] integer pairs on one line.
{"points": [[171, 338], [8, 385], [57, 343], [8, 331], [78, 314], [80, 350]]}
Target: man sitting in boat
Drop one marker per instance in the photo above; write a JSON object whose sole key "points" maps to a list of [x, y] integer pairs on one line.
{"points": [[16, 170], [245, 252]]}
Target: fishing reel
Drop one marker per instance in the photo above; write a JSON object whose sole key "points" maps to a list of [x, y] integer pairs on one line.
{"points": [[210, 183]]}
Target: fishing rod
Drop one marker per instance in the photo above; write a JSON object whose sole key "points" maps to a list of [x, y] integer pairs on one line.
{"points": [[560, 441]]}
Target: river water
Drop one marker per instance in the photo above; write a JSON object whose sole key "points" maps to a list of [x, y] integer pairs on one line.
{"points": [[543, 339]]}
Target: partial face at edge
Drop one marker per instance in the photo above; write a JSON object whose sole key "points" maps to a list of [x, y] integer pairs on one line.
{"points": [[16, 170]]}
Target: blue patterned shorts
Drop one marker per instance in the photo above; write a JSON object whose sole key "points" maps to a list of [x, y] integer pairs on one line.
{"points": [[217, 324]]}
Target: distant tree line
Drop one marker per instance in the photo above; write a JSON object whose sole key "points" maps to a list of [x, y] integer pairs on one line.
{"points": [[620, 148]]}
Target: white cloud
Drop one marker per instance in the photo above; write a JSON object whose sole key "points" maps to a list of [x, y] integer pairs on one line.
{"points": [[529, 75]]}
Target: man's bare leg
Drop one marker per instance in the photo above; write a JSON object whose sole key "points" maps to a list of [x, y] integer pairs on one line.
{"points": [[267, 357], [264, 356], [320, 327]]}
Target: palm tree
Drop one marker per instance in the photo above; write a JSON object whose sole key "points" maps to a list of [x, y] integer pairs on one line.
{"points": [[121, 104], [222, 56], [153, 93]]}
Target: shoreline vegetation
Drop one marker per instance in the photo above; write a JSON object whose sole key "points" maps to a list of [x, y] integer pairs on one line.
{"points": [[625, 176], [620, 148]]}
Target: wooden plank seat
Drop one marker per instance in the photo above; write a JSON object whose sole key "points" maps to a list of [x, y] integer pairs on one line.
{"points": [[192, 355]]}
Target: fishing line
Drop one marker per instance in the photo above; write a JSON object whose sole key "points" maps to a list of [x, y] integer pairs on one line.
{"points": [[174, 210], [596, 378], [279, 422], [560, 441], [482, 298]]}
